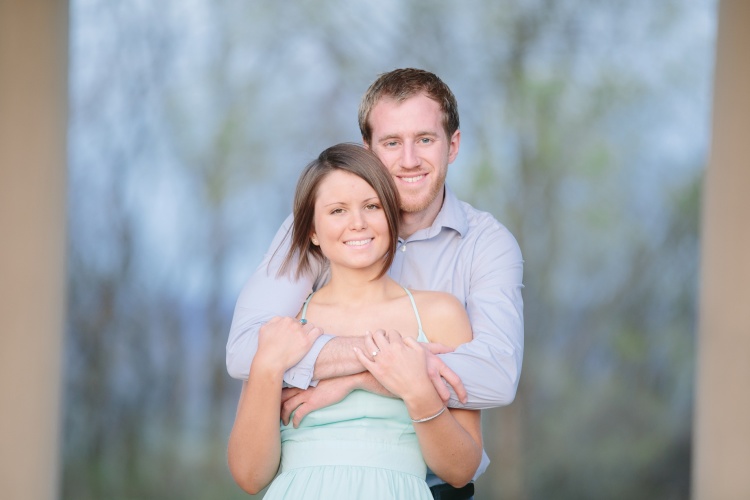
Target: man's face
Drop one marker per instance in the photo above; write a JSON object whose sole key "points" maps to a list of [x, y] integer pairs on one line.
{"points": [[410, 140]]}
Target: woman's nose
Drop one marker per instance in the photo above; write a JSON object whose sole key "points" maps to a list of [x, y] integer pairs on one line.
{"points": [[358, 221]]}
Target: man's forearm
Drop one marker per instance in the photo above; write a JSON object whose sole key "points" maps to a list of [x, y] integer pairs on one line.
{"points": [[495, 385], [367, 382], [337, 358]]}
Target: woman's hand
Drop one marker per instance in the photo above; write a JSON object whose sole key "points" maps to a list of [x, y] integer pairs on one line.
{"points": [[398, 363], [284, 341]]}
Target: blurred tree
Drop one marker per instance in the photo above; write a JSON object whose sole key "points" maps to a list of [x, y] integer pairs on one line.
{"points": [[124, 327]]}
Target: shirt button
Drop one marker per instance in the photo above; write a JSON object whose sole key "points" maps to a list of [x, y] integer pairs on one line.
{"points": [[403, 247]]}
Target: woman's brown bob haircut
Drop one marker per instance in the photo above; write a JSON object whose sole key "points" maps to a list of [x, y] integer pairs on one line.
{"points": [[356, 160]]}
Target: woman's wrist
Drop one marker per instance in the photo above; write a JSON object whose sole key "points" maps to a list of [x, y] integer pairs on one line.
{"points": [[428, 418], [425, 406], [267, 368]]}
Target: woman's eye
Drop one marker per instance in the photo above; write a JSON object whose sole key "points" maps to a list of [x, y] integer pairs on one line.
{"points": [[372, 206], [337, 211]]}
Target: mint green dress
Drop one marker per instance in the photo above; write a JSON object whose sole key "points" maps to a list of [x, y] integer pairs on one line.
{"points": [[363, 447]]}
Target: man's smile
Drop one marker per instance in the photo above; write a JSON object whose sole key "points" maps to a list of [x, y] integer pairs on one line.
{"points": [[412, 179]]}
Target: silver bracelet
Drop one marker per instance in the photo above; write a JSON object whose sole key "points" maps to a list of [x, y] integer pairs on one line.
{"points": [[427, 419]]}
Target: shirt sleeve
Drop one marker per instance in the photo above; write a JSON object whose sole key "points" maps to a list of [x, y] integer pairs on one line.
{"points": [[490, 365], [264, 296]]}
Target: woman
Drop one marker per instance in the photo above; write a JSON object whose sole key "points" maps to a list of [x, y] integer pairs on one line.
{"points": [[346, 214]]}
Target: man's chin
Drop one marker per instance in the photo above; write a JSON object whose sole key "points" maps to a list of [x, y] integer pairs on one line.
{"points": [[414, 207], [414, 204]]}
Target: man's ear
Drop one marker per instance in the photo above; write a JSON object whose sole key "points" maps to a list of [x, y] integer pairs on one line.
{"points": [[453, 146]]}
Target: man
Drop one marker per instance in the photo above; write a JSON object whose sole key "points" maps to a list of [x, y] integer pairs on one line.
{"points": [[409, 119]]}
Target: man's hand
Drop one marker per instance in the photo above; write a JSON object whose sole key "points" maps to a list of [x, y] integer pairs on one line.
{"points": [[440, 374], [326, 393]]}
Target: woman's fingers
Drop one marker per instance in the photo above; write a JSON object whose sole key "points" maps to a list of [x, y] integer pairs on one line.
{"points": [[373, 343]]}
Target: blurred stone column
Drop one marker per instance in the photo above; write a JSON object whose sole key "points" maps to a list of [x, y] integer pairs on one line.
{"points": [[721, 458], [33, 114]]}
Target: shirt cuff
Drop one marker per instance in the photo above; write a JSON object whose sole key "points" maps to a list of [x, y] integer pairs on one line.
{"points": [[300, 375], [482, 465]]}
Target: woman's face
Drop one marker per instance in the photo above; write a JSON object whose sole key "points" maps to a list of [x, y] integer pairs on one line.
{"points": [[350, 224]]}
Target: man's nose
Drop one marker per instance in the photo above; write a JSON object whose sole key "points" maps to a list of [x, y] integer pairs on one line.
{"points": [[410, 157]]}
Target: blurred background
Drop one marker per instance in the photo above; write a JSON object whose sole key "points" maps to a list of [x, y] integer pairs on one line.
{"points": [[585, 130]]}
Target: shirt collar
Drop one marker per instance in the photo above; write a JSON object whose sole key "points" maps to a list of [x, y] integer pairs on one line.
{"points": [[450, 216]]}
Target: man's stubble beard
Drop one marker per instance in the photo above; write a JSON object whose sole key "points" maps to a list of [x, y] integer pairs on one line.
{"points": [[436, 190]]}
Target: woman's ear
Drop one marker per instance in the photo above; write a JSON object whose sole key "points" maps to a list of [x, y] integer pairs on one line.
{"points": [[314, 239]]}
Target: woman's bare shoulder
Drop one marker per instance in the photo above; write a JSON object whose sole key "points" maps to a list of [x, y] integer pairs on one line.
{"points": [[434, 299], [444, 317]]}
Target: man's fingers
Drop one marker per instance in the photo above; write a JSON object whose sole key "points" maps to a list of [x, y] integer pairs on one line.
{"points": [[301, 413], [455, 382], [393, 336], [442, 391], [289, 392], [440, 374], [288, 407], [378, 339]]}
